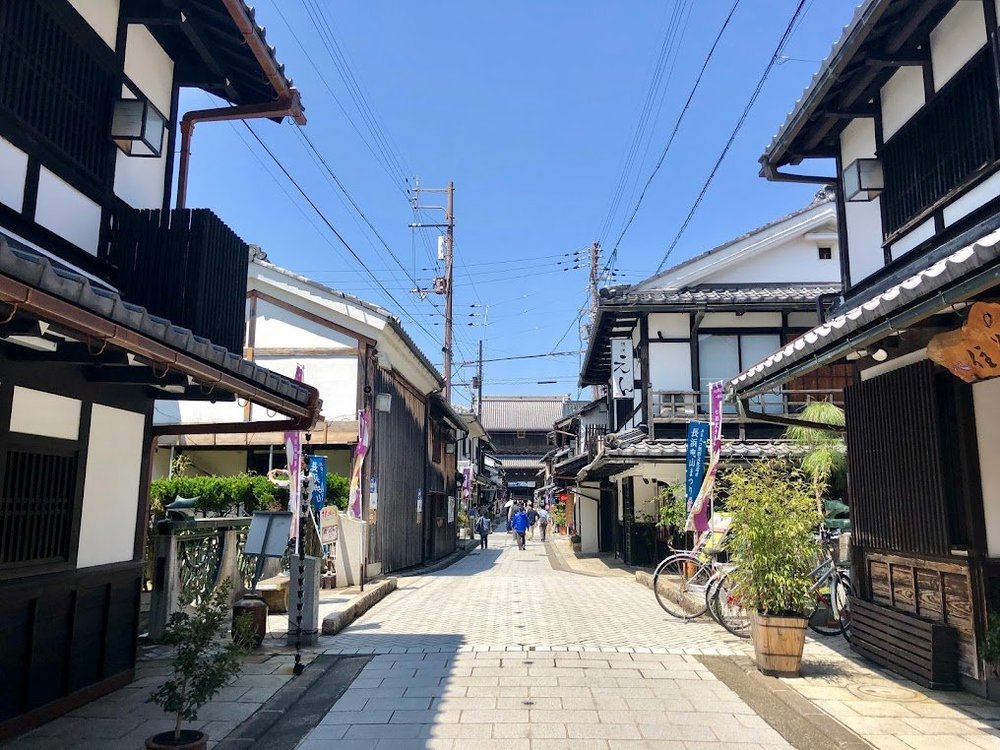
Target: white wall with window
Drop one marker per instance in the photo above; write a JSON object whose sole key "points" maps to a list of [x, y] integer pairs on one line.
{"points": [[722, 356]]}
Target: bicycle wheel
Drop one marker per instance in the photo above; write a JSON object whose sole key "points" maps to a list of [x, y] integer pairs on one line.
{"points": [[824, 619], [728, 606], [711, 597], [679, 584], [844, 594]]}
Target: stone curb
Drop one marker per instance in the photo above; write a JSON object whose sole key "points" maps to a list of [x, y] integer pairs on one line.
{"points": [[645, 578], [337, 621], [454, 557]]}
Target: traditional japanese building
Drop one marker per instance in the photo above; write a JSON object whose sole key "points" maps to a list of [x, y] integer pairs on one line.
{"points": [[109, 301], [657, 345], [903, 118]]}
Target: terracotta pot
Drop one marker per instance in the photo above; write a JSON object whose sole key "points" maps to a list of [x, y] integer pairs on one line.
{"points": [[190, 740], [778, 643], [257, 609]]}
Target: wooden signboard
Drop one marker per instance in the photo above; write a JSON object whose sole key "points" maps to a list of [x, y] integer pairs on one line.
{"points": [[971, 352]]}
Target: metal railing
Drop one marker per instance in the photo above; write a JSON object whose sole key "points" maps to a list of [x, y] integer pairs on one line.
{"points": [[681, 406]]}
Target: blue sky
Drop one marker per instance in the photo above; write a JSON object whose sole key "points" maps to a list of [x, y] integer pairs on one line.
{"points": [[530, 107]]}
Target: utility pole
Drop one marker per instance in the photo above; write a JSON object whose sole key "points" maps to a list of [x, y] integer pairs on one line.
{"points": [[479, 383], [595, 259], [443, 285]]}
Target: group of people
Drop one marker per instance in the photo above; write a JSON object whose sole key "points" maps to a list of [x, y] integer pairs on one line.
{"points": [[523, 520]]}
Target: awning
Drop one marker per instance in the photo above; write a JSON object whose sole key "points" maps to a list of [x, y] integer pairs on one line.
{"points": [[955, 278], [90, 324]]}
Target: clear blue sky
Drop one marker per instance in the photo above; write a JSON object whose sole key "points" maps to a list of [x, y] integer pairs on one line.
{"points": [[530, 108]]}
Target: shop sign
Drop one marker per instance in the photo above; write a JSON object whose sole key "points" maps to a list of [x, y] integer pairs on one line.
{"points": [[972, 352], [328, 525], [622, 379]]}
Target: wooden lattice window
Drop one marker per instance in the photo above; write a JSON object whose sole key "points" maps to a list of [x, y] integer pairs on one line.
{"points": [[37, 506], [53, 86]]}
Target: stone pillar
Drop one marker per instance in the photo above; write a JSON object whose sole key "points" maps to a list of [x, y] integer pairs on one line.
{"points": [[166, 580], [311, 625]]}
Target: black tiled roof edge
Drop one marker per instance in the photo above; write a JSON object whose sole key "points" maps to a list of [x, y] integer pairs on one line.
{"points": [[731, 294], [678, 449], [28, 267]]}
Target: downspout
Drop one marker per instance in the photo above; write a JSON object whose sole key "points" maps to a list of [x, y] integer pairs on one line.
{"points": [[286, 103]]}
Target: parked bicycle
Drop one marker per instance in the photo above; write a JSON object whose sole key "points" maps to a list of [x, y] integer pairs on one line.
{"points": [[833, 590], [681, 581]]}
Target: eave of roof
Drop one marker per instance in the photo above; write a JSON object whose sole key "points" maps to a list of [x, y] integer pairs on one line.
{"points": [[959, 276], [29, 270]]}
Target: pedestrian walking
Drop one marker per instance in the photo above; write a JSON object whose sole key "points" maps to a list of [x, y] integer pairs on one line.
{"points": [[532, 520], [484, 526], [543, 521], [520, 525]]}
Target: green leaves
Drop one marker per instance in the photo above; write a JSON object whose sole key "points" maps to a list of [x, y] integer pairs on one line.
{"points": [[772, 539], [673, 507], [205, 659]]}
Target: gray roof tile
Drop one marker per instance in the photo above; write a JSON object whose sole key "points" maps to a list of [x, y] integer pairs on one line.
{"points": [[735, 294], [526, 412]]}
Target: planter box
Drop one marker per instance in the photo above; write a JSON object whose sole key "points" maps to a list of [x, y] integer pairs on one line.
{"points": [[778, 643]]}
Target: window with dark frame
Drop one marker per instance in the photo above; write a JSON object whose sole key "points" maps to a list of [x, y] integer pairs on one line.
{"points": [[826, 253], [38, 503]]}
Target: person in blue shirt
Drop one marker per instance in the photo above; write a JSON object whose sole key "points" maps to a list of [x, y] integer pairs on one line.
{"points": [[520, 525]]}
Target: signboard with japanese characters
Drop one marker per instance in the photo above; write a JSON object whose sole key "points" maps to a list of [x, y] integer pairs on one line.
{"points": [[328, 525], [622, 378], [971, 352]]}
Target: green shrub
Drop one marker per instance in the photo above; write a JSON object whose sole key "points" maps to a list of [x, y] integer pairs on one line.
{"points": [[559, 514], [575, 539], [235, 495], [773, 537], [338, 488], [673, 507]]}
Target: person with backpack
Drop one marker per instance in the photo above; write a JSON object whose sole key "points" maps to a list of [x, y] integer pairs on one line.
{"points": [[484, 526], [543, 521], [532, 520], [520, 525]]}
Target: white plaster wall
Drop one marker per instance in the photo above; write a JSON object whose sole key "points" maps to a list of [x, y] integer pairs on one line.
{"points": [[586, 522], [68, 212], [14, 168], [102, 15], [913, 238], [986, 398], [793, 261], [644, 496], [669, 325], [902, 96], [981, 194], [864, 220], [958, 37], [336, 378], [161, 462], [140, 181], [277, 327], [149, 67], [39, 413], [670, 366], [747, 320], [191, 412], [111, 487], [802, 320]]}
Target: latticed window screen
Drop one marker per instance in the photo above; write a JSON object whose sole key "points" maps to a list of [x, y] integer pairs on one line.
{"points": [[54, 86], [37, 506]]}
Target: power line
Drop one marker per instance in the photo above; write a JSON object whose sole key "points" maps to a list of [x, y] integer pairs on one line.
{"points": [[673, 133], [574, 352], [739, 124]]}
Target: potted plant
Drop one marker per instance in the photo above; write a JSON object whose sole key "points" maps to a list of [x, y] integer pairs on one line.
{"points": [[205, 661], [575, 541], [559, 517], [773, 544], [989, 651]]}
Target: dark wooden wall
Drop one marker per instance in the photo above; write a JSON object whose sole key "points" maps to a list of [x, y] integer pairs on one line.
{"points": [[398, 462], [66, 639]]}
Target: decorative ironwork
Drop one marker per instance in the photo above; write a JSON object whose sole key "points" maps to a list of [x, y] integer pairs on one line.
{"points": [[246, 564], [199, 557]]}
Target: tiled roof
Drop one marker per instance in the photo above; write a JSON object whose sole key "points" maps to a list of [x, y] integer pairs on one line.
{"points": [[733, 294], [24, 264], [670, 449], [526, 412], [876, 313], [520, 462]]}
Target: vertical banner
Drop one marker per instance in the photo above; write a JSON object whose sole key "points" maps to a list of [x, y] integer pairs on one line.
{"points": [[316, 466], [451, 509], [373, 494], [293, 454], [694, 465], [466, 486], [622, 378], [698, 520], [354, 509]]}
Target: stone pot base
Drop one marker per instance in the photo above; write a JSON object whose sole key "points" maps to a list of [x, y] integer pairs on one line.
{"points": [[189, 740]]}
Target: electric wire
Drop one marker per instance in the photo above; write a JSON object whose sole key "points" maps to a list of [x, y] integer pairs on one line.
{"points": [[739, 124]]}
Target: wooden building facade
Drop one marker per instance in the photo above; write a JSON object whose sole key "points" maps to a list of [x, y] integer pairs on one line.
{"points": [[918, 193]]}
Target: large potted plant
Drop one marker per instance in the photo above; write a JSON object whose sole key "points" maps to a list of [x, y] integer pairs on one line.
{"points": [[205, 661], [774, 547]]}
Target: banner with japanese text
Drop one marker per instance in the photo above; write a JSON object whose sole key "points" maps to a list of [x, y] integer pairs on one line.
{"points": [[293, 454], [698, 518], [694, 466], [354, 509]]}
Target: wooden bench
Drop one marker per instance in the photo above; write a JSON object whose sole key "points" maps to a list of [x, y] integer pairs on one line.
{"points": [[923, 650], [275, 593]]}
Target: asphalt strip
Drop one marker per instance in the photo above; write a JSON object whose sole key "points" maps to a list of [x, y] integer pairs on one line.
{"points": [[803, 725], [298, 706]]}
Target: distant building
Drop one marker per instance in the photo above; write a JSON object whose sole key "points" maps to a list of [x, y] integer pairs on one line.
{"points": [[519, 427]]}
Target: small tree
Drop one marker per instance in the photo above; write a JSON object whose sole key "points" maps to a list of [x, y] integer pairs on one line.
{"points": [[825, 455], [772, 540], [673, 507], [203, 664]]}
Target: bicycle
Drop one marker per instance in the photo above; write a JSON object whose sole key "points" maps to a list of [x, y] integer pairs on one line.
{"points": [[725, 604], [681, 581], [832, 615]]}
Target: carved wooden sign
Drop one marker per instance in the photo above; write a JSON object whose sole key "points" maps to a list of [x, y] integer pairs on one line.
{"points": [[971, 352]]}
